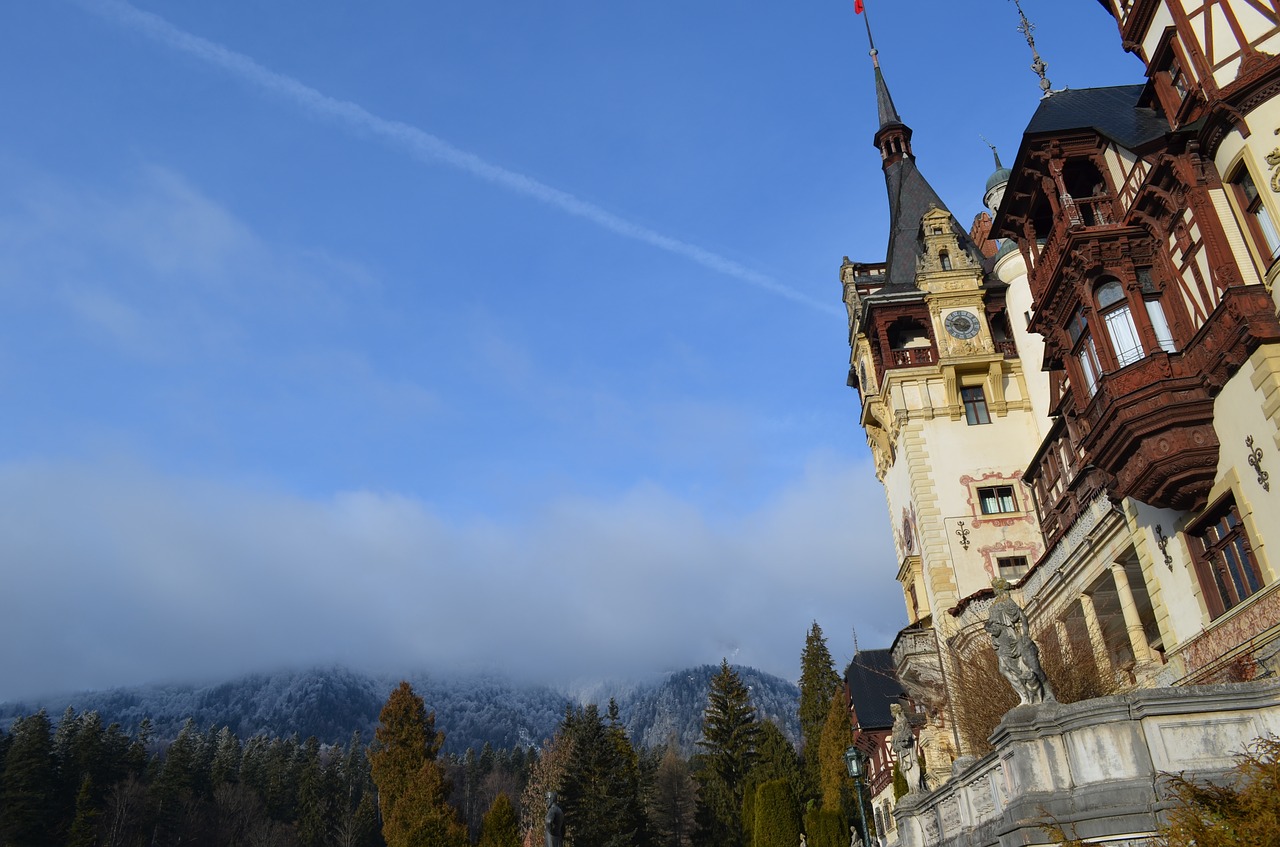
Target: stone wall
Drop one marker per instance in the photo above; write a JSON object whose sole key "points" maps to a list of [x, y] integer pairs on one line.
{"points": [[1094, 768]]}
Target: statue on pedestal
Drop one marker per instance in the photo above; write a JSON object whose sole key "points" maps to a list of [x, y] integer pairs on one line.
{"points": [[555, 822], [904, 747], [1018, 655]]}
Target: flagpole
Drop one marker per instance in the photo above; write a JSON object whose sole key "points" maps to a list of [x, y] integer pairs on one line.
{"points": [[860, 8]]}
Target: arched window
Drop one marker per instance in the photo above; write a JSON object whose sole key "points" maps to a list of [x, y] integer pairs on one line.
{"points": [[1113, 308]]}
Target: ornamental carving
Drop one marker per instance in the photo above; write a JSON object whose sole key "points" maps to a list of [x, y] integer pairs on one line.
{"points": [[1273, 162]]}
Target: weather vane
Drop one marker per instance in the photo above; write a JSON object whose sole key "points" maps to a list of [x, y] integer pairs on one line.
{"points": [[1026, 27]]}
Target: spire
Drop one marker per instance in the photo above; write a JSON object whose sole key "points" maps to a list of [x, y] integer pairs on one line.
{"points": [[1037, 65], [884, 102], [910, 194], [994, 152]]}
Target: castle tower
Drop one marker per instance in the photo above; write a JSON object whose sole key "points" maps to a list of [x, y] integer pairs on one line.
{"points": [[947, 414]]}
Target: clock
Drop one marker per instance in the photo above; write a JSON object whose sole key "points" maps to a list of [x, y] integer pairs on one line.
{"points": [[962, 324]]}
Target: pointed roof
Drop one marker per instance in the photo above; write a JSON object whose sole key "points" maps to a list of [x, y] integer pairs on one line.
{"points": [[910, 197], [884, 102]]}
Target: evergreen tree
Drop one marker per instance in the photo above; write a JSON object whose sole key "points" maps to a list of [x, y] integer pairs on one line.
{"points": [[412, 790], [673, 800], [837, 787], [777, 816], [29, 783], [226, 758], [818, 683], [729, 735], [824, 827], [499, 828], [600, 791]]}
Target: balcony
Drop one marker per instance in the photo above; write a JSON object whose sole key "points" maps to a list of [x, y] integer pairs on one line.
{"points": [[918, 666], [912, 357], [1151, 425]]}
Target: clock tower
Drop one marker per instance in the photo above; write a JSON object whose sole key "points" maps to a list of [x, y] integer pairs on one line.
{"points": [[948, 416]]}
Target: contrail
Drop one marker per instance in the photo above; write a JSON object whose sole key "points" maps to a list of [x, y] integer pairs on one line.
{"points": [[426, 147]]}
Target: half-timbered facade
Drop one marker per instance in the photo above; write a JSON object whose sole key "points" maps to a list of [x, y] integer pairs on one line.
{"points": [[1093, 412]]}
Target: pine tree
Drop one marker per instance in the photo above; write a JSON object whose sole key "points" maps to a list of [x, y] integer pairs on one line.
{"points": [[412, 790], [499, 828], [729, 735], [600, 789], [29, 782], [818, 683]]}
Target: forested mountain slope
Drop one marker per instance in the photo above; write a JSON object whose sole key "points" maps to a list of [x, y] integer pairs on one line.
{"points": [[331, 703]]}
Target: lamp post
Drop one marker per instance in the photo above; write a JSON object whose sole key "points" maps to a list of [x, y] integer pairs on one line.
{"points": [[856, 761]]}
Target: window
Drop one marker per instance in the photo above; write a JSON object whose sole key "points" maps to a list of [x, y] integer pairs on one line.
{"points": [[1257, 218], [1085, 351], [1178, 80], [944, 258], [975, 405], [1224, 561], [1114, 310], [1161, 326], [997, 500], [1012, 567]]}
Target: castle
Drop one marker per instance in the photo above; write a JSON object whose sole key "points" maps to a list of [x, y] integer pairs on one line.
{"points": [[1080, 393]]}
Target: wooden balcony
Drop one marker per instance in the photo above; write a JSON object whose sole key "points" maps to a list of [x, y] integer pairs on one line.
{"points": [[1150, 424]]}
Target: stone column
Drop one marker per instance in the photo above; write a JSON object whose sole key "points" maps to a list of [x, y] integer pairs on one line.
{"points": [[1094, 628], [1132, 623]]}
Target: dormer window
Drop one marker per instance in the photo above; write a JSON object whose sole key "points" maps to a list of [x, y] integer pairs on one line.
{"points": [[944, 259]]}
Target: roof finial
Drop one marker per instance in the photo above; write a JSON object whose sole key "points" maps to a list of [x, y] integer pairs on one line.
{"points": [[1037, 65], [860, 8], [994, 152]]}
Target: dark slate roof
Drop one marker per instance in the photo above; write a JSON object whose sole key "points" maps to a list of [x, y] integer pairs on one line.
{"points": [[884, 103], [1112, 112], [873, 687], [910, 197]]}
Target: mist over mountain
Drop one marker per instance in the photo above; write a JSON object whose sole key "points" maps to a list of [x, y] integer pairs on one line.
{"points": [[333, 702]]}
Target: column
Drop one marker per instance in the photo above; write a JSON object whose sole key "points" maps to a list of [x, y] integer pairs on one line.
{"points": [[1132, 623], [1094, 628]]}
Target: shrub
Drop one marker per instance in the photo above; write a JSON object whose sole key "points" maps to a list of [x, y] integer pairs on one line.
{"points": [[1242, 810]]}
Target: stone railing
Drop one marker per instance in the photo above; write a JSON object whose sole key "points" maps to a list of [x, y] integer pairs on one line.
{"points": [[1093, 768]]}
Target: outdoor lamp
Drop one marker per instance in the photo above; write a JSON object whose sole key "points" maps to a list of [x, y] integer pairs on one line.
{"points": [[855, 761]]}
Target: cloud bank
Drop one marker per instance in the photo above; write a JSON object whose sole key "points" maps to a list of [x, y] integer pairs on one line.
{"points": [[118, 575]]}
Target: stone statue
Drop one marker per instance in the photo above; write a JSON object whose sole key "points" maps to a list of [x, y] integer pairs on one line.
{"points": [[904, 746], [855, 840], [555, 822], [1018, 655]]}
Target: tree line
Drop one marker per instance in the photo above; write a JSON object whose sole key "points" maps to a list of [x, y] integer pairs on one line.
{"points": [[82, 784]]}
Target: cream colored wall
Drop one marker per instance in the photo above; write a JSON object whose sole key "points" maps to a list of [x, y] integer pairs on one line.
{"points": [[964, 458], [1161, 21], [1263, 122], [1249, 409], [1012, 270]]}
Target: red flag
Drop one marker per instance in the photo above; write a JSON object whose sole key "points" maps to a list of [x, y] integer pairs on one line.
{"points": [[857, 7]]}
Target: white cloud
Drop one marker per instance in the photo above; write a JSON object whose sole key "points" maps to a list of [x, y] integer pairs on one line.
{"points": [[116, 574]]}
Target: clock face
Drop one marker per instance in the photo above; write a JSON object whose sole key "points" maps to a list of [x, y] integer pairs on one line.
{"points": [[962, 324]]}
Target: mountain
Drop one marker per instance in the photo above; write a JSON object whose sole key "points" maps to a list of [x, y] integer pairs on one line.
{"points": [[472, 710]]}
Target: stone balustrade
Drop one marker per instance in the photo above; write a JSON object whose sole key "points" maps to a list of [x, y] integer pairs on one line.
{"points": [[1093, 768]]}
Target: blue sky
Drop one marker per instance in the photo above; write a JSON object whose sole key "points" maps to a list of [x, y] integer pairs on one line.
{"points": [[486, 334]]}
